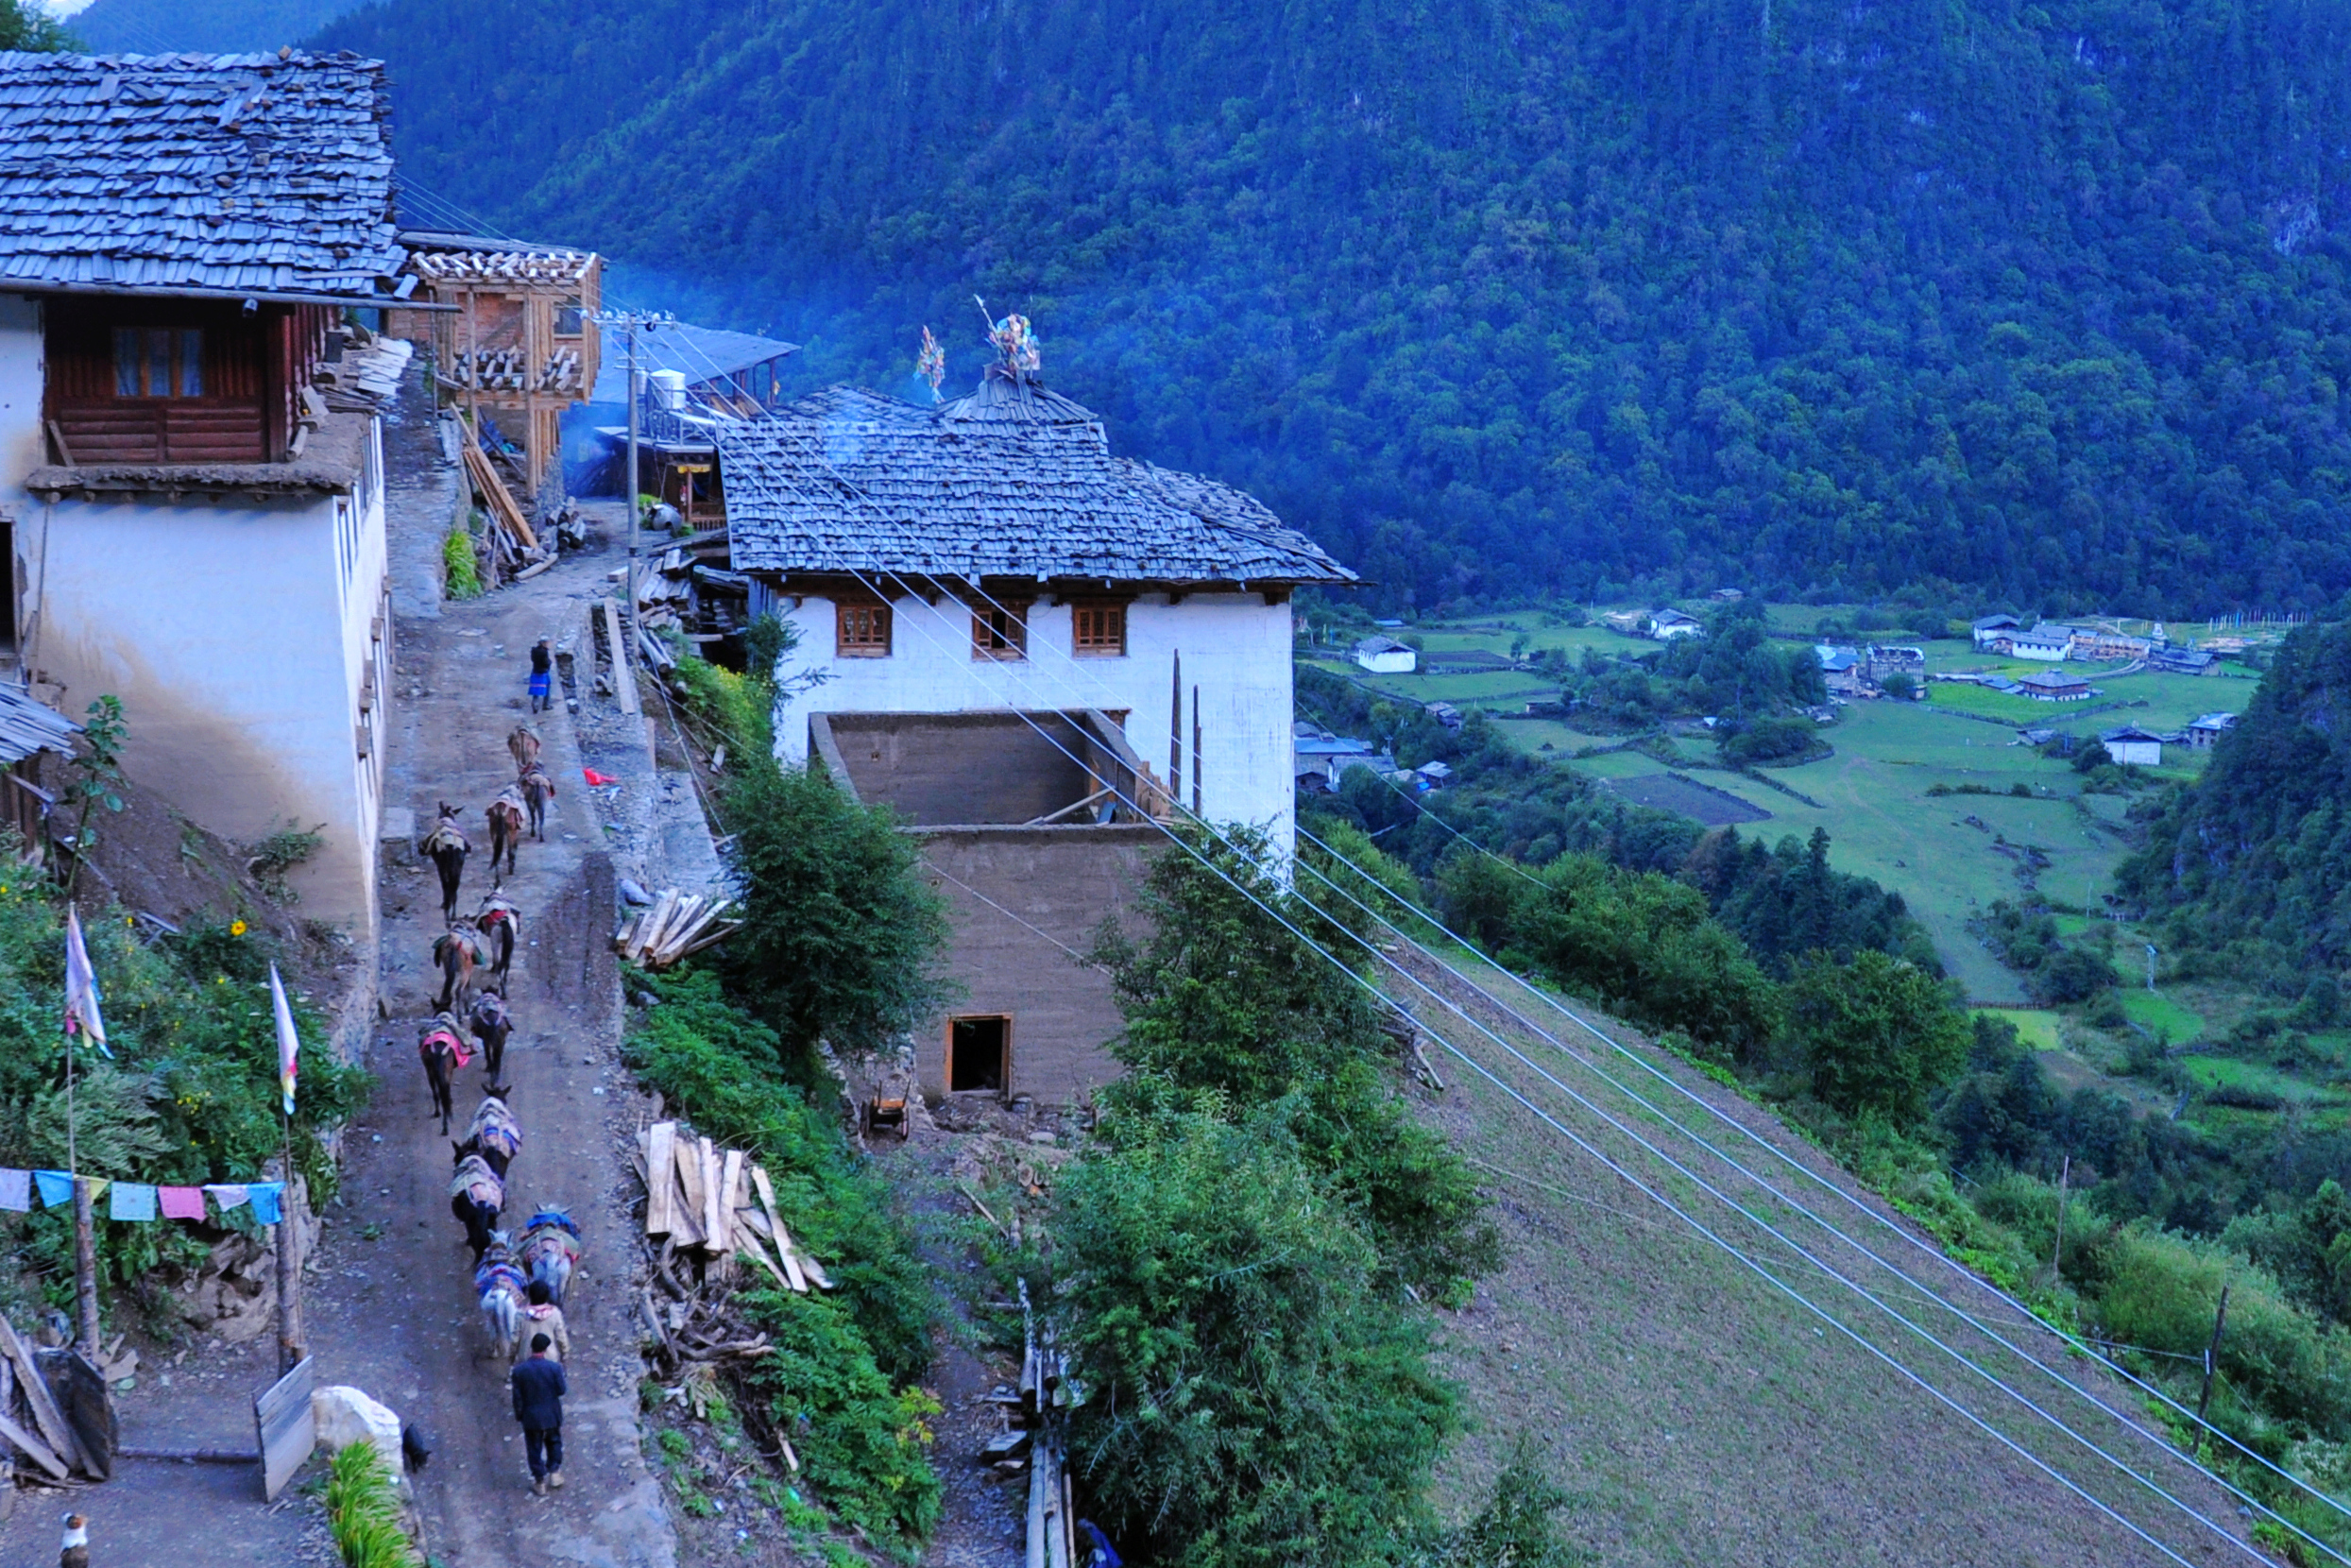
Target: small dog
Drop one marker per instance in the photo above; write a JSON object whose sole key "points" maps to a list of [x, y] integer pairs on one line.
{"points": [[74, 1551]]}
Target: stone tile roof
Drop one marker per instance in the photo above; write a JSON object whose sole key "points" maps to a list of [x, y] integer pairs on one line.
{"points": [[245, 174], [528, 268], [1013, 481]]}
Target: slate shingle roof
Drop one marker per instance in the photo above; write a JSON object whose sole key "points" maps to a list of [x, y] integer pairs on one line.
{"points": [[186, 173], [1013, 481]]}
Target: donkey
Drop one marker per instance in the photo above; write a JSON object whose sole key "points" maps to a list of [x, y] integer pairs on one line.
{"points": [[523, 745], [551, 1245], [494, 1134], [441, 1047], [497, 1287], [491, 1025], [501, 922], [476, 1193], [505, 815], [537, 790], [445, 848], [456, 953]]}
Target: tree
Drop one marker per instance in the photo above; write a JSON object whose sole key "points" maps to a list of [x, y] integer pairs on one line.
{"points": [[1900, 687], [1229, 1013], [1254, 1400], [841, 936], [25, 25], [1877, 1035]]}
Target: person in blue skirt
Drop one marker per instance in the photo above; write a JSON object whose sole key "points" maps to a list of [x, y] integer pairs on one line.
{"points": [[542, 665]]}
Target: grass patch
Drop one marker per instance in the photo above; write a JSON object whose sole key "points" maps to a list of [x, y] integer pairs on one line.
{"points": [[2036, 1027], [2158, 1014], [364, 1512], [461, 578]]}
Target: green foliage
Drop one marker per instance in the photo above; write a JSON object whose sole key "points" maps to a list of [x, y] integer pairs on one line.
{"points": [[1780, 742], [735, 710], [363, 1511], [1253, 1397], [461, 577], [27, 24], [270, 858], [841, 936], [100, 777], [1876, 1035], [1646, 947], [1514, 1530], [2048, 303], [1230, 1015], [192, 1096], [2056, 972], [1364, 876], [841, 1384]]}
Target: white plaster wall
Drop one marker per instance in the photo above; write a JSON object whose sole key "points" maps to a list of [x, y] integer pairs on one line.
{"points": [[1235, 650], [236, 639], [20, 397]]}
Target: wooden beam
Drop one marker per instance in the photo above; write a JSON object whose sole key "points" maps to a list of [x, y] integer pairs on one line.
{"points": [[661, 1179], [624, 677]]}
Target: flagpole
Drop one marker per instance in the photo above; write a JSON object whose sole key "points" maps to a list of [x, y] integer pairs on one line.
{"points": [[85, 1226], [289, 1232]]}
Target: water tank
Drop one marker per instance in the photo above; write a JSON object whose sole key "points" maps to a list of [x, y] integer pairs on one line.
{"points": [[667, 389]]}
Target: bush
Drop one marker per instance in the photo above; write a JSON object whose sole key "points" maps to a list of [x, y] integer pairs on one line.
{"points": [[1876, 1035], [461, 578], [1253, 1399], [841, 936], [1364, 876], [1770, 742]]}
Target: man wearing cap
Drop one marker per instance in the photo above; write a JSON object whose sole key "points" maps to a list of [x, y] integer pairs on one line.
{"points": [[539, 1392]]}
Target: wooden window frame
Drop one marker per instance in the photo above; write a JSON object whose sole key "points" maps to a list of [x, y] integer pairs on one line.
{"points": [[947, 1055], [1097, 647], [986, 634], [847, 646]]}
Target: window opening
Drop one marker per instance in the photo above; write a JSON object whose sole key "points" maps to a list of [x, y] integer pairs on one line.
{"points": [[1100, 631], [158, 362], [567, 319], [861, 631], [999, 633], [978, 1053]]}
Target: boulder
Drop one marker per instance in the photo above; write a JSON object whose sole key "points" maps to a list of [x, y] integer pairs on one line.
{"points": [[345, 1416]]}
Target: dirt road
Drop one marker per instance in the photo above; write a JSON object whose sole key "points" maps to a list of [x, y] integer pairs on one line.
{"points": [[393, 1311]]}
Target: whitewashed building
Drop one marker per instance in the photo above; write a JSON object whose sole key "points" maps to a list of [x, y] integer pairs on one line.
{"points": [[1385, 655], [1030, 647], [190, 467]]}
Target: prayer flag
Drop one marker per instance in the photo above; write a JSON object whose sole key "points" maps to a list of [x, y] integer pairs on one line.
{"points": [[81, 987], [264, 1196], [132, 1201], [289, 1044], [229, 1195], [16, 1190], [57, 1187], [177, 1203]]}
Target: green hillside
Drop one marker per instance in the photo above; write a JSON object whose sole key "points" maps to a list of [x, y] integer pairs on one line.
{"points": [[2040, 303], [2250, 866]]}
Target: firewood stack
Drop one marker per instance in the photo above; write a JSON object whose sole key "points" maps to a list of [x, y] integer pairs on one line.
{"points": [[1043, 1414], [677, 925], [701, 1199]]}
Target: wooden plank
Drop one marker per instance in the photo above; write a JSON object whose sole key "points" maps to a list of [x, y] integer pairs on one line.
{"points": [[624, 675], [34, 1449], [685, 1227], [635, 952], [749, 1243], [287, 1429], [802, 1268], [660, 1177], [730, 1187], [714, 1200], [45, 1413]]}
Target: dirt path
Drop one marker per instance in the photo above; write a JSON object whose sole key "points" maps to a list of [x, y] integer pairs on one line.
{"points": [[395, 1315]]}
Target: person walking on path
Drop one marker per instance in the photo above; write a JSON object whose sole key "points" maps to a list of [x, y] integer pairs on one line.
{"points": [[539, 1392], [542, 664], [543, 1317]]}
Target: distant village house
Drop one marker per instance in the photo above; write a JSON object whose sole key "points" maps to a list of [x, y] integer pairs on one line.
{"points": [[691, 380], [1385, 655], [1666, 625], [2049, 686], [1988, 630], [2134, 747], [2206, 732], [191, 465], [1032, 648]]}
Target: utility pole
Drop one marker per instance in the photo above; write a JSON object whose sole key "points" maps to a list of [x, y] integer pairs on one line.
{"points": [[631, 323], [2212, 1354], [2057, 1255]]}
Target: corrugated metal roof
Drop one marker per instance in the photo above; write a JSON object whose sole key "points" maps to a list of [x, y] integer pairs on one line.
{"points": [[28, 727], [238, 173], [699, 353], [1013, 481]]}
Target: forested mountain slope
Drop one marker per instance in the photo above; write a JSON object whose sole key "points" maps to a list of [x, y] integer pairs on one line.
{"points": [[2042, 302], [2252, 860], [210, 26]]}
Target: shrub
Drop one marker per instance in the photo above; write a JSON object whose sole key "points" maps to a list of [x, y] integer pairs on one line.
{"points": [[1364, 876], [1217, 1305], [461, 578], [1877, 1035], [1773, 741]]}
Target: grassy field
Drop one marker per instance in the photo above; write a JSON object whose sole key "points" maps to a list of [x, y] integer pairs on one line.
{"points": [[2161, 1015], [2036, 1027]]}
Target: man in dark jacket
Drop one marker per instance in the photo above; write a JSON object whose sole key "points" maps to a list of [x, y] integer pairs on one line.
{"points": [[539, 1392]]}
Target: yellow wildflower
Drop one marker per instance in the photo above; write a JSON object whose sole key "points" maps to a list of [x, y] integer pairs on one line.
{"points": [[236, 928]]}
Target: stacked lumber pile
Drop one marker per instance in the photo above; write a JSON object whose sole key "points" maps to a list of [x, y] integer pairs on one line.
{"points": [[561, 373], [716, 1201], [512, 542], [41, 1442], [673, 926]]}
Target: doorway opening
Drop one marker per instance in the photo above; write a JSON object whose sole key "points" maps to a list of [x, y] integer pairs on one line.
{"points": [[980, 1052]]}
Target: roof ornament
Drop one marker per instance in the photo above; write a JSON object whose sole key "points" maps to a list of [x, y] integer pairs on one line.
{"points": [[1012, 339], [932, 364]]}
